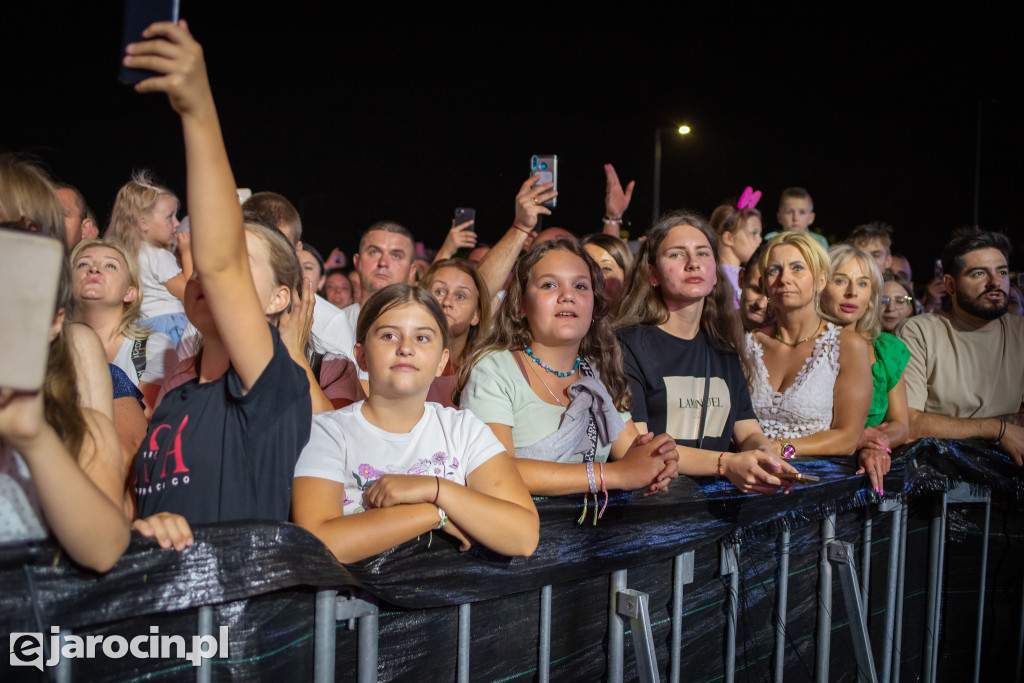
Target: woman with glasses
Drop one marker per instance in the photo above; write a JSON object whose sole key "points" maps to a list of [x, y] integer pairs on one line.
{"points": [[897, 302], [852, 298]]}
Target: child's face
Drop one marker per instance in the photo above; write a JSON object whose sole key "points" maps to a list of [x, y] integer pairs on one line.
{"points": [[159, 224], [795, 214], [558, 303], [746, 239], [403, 352]]}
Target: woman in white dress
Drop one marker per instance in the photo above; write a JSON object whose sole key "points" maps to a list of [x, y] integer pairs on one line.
{"points": [[809, 379]]}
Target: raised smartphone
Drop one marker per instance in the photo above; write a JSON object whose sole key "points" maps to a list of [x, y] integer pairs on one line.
{"points": [[138, 15], [546, 166], [462, 215]]}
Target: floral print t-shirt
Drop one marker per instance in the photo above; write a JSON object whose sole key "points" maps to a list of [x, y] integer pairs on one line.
{"points": [[345, 448]]}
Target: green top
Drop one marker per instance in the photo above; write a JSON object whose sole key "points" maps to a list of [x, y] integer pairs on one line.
{"points": [[821, 238], [891, 356]]}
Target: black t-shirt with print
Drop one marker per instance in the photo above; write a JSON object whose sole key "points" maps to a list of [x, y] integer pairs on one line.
{"points": [[213, 454], [666, 376]]}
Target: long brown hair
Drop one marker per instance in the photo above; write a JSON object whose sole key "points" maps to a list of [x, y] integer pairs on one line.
{"points": [[483, 297], [511, 332], [642, 304]]}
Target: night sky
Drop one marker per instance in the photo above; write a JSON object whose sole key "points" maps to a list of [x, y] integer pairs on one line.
{"points": [[360, 115]]}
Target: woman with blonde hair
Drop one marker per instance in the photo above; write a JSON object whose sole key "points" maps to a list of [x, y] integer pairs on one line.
{"points": [[108, 298], [807, 376], [852, 298]]}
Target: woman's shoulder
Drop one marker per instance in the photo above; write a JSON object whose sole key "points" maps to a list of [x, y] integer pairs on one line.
{"points": [[891, 349]]}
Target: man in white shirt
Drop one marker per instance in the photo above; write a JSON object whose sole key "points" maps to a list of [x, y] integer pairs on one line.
{"points": [[965, 377]]}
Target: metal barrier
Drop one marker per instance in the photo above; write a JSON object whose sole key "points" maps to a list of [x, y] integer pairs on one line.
{"points": [[355, 601]]}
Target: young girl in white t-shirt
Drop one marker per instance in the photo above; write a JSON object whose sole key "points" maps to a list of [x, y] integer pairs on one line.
{"points": [[144, 218], [406, 466]]}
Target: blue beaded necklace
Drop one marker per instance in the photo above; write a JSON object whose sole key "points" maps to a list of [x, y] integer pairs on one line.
{"points": [[538, 361]]}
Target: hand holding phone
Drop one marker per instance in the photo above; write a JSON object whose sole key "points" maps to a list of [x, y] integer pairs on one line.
{"points": [[546, 166], [798, 477]]}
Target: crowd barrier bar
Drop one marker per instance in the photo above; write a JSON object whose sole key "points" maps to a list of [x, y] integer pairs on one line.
{"points": [[359, 608]]}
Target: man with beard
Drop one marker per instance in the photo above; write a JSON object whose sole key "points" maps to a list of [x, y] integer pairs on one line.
{"points": [[965, 377]]}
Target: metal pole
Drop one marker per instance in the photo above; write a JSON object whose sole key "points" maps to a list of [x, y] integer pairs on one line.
{"points": [[324, 621], [616, 632], [367, 655], [657, 174], [977, 164], [981, 592], [823, 635], [732, 549], [865, 562], [897, 639], [204, 674], [463, 660], [62, 671], [544, 655], [936, 535], [675, 650], [890, 594], [782, 598]]}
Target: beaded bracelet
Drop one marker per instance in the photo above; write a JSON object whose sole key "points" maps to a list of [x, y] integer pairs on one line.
{"points": [[443, 517]]}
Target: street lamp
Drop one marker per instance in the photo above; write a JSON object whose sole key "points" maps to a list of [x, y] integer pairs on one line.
{"points": [[681, 130]]}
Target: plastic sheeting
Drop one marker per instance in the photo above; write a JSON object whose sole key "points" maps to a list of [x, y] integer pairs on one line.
{"points": [[262, 578]]}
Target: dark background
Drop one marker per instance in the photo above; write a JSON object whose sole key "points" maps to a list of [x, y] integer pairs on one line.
{"points": [[359, 115]]}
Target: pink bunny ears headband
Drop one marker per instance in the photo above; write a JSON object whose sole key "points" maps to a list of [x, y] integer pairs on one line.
{"points": [[749, 199]]}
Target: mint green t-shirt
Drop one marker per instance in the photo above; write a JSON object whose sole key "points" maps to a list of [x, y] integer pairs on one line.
{"points": [[498, 393]]}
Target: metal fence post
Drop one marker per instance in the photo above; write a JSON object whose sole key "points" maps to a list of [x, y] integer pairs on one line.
{"points": [[463, 662], [616, 632], [682, 574], [823, 633], [544, 649], [781, 600], [323, 635]]}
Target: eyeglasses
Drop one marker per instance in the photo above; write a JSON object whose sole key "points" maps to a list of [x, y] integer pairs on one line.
{"points": [[898, 301]]}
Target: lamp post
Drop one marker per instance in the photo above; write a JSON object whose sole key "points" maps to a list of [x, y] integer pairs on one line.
{"points": [[681, 130]]}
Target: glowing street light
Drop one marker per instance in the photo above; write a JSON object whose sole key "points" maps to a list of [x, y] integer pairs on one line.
{"points": [[682, 130]]}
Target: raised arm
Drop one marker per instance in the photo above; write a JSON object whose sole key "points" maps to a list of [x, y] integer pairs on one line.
{"points": [[497, 263], [87, 523], [218, 239], [616, 200]]}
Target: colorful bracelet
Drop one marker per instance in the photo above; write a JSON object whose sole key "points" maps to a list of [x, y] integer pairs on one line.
{"points": [[604, 490], [443, 517], [720, 473], [522, 229], [590, 478]]}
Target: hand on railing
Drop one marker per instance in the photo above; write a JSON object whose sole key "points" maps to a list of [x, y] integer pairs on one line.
{"points": [[875, 463], [650, 463], [753, 471], [169, 530]]}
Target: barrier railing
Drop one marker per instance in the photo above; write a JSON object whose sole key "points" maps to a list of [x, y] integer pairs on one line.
{"points": [[749, 566]]}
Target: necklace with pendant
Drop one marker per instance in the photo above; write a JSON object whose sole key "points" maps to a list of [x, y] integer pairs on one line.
{"points": [[799, 342]]}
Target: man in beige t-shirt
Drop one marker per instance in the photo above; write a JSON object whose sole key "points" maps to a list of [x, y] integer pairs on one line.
{"points": [[965, 377]]}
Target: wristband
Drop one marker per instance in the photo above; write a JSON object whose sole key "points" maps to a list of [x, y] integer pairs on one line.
{"points": [[590, 478], [1002, 431], [443, 517], [720, 474], [612, 220], [604, 490]]}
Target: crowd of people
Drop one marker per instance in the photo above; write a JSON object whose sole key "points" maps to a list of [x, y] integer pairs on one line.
{"points": [[228, 371]]}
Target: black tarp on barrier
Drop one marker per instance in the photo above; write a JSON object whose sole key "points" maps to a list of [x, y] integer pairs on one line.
{"points": [[261, 576]]}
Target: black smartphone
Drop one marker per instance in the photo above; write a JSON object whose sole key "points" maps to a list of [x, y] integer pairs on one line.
{"points": [[546, 166], [138, 15], [462, 215]]}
